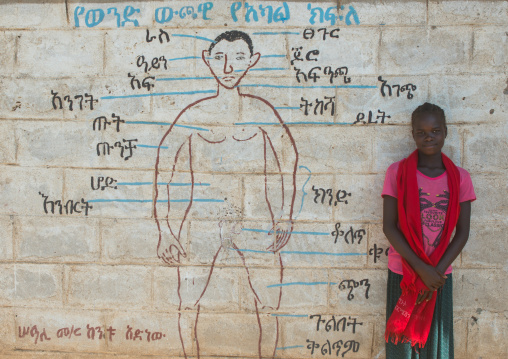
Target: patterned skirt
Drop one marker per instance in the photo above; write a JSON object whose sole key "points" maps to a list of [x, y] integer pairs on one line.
{"points": [[440, 342]]}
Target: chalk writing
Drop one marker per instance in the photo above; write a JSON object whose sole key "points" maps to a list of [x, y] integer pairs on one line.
{"points": [[376, 251], [101, 123], [350, 236], [92, 333], [380, 116], [161, 38], [309, 33], [70, 207], [328, 348], [400, 89], [56, 101], [34, 332], [138, 334], [94, 17], [156, 63], [102, 183], [165, 14], [280, 14], [339, 197], [320, 107], [335, 325], [126, 150], [145, 83], [68, 332], [352, 284], [327, 71], [297, 55]]}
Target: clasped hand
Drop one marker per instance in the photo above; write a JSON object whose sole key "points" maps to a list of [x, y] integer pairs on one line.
{"points": [[434, 279]]}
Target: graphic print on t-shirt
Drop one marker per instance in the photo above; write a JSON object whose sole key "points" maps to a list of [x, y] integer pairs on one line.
{"points": [[433, 216]]}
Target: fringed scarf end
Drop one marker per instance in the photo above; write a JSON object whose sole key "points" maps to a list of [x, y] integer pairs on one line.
{"points": [[397, 338]]}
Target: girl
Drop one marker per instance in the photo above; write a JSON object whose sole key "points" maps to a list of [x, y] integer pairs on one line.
{"points": [[426, 197]]}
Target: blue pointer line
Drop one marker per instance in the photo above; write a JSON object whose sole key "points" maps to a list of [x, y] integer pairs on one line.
{"points": [[159, 183], [150, 146], [300, 283], [264, 69], [303, 188], [165, 124], [294, 232], [276, 33], [291, 123], [291, 347], [323, 253], [287, 108], [273, 55], [158, 94], [196, 37], [160, 201], [290, 315], [184, 78], [311, 87], [248, 250], [184, 58]]}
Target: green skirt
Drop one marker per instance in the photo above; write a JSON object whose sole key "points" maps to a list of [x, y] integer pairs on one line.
{"points": [[440, 342]]}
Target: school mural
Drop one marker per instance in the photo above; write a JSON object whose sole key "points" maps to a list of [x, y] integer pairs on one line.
{"points": [[202, 179]]}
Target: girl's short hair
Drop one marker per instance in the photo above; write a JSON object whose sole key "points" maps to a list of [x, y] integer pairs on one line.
{"points": [[428, 108]]}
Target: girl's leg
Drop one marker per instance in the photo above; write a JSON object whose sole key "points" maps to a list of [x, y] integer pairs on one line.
{"points": [[393, 292], [440, 341]]}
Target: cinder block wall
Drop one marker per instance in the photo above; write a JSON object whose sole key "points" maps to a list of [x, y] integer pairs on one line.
{"points": [[88, 283]]}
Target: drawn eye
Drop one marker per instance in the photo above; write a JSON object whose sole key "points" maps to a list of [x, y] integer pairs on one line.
{"points": [[218, 57], [240, 58]]}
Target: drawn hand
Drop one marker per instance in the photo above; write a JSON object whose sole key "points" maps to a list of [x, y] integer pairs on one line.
{"points": [[425, 295], [282, 232], [169, 248], [432, 277]]}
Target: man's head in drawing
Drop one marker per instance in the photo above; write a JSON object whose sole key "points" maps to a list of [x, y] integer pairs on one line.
{"points": [[229, 57]]}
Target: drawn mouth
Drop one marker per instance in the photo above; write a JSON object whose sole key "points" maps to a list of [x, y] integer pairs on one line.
{"points": [[228, 78]]}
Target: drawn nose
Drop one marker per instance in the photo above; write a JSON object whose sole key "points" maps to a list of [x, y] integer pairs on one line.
{"points": [[227, 67]]}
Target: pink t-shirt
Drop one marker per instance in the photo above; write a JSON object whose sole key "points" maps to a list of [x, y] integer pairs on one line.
{"points": [[433, 205]]}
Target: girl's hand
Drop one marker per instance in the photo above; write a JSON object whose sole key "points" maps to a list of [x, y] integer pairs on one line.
{"points": [[432, 277], [426, 295]]}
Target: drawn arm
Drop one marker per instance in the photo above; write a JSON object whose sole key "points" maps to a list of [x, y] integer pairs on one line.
{"points": [[170, 217], [281, 164]]}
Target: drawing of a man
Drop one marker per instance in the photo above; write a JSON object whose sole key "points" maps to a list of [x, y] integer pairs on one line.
{"points": [[242, 138]]}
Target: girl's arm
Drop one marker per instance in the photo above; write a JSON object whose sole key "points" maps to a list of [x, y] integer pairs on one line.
{"points": [[432, 277], [460, 238]]}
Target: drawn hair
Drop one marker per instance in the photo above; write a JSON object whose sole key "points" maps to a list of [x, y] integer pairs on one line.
{"points": [[428, 108], [232, 36]]}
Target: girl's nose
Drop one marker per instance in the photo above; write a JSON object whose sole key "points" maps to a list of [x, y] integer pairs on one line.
{"points": [[227, 67]]}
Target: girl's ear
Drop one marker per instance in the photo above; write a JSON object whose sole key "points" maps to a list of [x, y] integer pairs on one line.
{"points": [[204, 56], [445, 131], [254, 59]]}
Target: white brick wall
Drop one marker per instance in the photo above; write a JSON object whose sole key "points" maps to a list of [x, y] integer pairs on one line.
{"points": [[102, 269]]}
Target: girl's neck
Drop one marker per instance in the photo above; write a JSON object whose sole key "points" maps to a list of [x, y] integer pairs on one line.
{"points": [[430, 161]]}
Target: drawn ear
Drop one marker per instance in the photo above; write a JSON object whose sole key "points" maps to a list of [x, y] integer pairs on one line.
{"points": [[254, 59], [204, 56]]}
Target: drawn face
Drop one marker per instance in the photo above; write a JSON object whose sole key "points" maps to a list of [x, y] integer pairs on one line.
{"points": [[230, 61], [429, 133]]}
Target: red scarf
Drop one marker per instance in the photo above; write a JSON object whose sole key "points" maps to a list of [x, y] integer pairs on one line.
{"points": [[410, 322]]}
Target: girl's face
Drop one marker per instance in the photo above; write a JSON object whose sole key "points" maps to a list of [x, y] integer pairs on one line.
{"points": [[429, 133]]}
